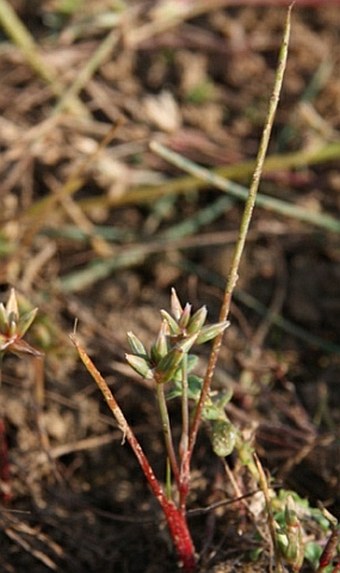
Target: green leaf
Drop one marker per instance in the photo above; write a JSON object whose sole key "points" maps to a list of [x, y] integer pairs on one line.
{"points": [[313, 553], [194, 387], [192, 362]]}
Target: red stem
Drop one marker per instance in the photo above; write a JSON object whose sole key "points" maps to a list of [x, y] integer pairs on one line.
{"points": [[175, 518], [329, 550]]}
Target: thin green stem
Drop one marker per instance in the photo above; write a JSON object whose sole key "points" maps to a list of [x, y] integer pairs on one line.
{"points": [[166, 426], [185, 407], [184, 443]]}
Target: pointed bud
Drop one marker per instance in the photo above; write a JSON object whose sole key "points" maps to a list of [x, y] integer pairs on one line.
{"points": [[289, 537], [197, 320], [160, 348], [12, 305], [140, 365], [13, 327], [167, 367], [291, 548], [291, 517], [223, 437], [185, 316], [175, 305], [173, 326], [211, 331], [136, 345]]}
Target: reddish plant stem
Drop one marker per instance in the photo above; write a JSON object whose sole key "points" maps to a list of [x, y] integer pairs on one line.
{"points": [[175, 517], [329, 551]]}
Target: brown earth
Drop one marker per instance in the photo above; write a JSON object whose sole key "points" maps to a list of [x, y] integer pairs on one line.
{"points": [[91, 230]]}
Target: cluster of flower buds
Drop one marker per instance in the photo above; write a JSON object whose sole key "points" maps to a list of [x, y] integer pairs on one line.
{"points": [[13, 326], [289, 537], [178, 332]]}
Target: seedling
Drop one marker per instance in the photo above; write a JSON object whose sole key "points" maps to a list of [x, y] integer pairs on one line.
{"points": [[169, 364]]}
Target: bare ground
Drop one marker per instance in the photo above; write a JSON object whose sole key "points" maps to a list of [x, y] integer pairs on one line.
{"points": [[91, 229]]}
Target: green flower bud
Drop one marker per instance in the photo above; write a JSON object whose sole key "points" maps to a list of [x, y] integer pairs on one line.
{"points": [[185, 316], [140, 365], [197, 320], [173, 326], [291, 518], [167, 367], [12, 309], [12, 326], [136, 345], [289, 537], [160, 348], [211, 331], [176, 307], [223, 437]]}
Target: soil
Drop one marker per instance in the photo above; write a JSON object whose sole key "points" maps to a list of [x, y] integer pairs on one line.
{"points": [[98, 228]]}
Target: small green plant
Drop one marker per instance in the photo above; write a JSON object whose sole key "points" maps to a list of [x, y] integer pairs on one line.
{"points": [[13, 327], [296, 529], [169, 365], [169, 362], [294, 521]]}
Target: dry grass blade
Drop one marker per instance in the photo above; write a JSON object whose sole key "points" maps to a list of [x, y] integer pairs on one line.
{"points": [[278, 206], [25, 41]]}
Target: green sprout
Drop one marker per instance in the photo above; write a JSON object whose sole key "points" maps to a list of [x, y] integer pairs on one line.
{"points": [[13, 327]]}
